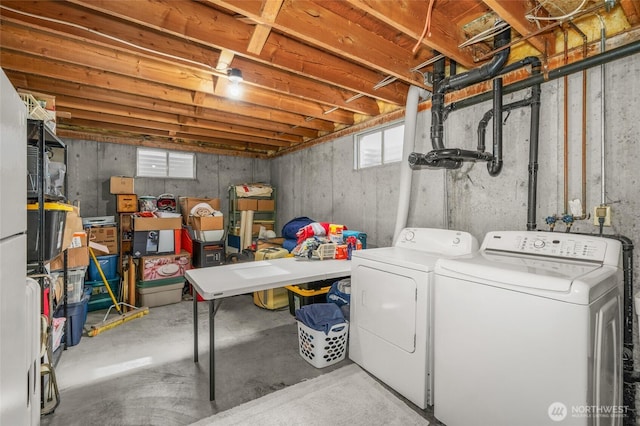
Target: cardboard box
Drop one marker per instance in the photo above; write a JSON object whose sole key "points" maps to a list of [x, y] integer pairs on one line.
{"points": [[122, 185], [127, 203], [76, 258], [208, 223], [73, 225], [266, 205], [247, 204], [163, 267], [255, 228], [155, 223], [106, 236], [187, 203]]}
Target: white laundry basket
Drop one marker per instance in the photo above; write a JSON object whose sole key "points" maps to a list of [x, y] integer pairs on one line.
{"points": [[320, 349]]}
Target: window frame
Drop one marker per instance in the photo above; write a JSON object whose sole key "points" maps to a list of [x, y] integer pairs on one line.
{"points": [[357, 164], [167, 159]]}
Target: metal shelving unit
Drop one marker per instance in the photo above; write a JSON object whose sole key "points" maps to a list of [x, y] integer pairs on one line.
{"points": [[41, 138], [267, 218]]}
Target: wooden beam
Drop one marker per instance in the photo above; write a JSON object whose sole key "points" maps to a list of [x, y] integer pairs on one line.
{"points": [[134, 100], [320, 27], [409, 17], [631, 9], [82, 75], [260, 73], [118, 127], [219, 31], [270, 9], [70, 103], [154, 125], [513, 12]]}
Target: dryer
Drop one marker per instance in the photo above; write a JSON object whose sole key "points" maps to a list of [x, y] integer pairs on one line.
{"points": [[528, 331], [390, 332]]}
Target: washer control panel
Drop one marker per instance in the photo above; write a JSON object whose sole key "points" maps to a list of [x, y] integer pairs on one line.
{"points": [[573, 246], [434, 240]]}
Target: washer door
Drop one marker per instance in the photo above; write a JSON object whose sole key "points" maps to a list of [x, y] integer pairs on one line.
{"points": [[387, 303]]}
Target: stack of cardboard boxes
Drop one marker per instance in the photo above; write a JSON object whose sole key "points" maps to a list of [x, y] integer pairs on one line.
{"points": [[203, 237]]}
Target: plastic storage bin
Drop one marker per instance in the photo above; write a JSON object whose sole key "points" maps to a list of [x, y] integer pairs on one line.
{"points": [[274, 298], [361, 236], [109, 265], [159, 292], [75, 284], [55, 217], [100, 298], [320, 349], [76, 317], [299, 297]]}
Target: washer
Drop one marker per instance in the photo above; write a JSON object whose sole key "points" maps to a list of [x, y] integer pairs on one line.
{"points": [[391, 310], [528, 331]]}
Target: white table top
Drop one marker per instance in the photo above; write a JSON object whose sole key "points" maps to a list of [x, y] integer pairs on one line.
{"points": [[217, 282]]}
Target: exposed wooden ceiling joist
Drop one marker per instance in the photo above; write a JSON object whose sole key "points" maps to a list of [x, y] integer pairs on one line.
{"points": [[155, 71]]}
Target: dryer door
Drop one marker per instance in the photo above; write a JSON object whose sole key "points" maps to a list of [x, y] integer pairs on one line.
{"points": [[386, 302]]}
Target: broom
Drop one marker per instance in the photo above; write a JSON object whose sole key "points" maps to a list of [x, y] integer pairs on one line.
{"points": [[122, 317]]}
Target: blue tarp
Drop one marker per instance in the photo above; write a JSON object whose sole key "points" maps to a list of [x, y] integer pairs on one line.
{"points": [[320, 316]]}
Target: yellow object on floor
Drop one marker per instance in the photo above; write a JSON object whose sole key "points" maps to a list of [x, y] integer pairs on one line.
{"points": [[122, 317]]}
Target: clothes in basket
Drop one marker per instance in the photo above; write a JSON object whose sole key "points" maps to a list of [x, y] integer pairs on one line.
{"points": [[320, 316]]}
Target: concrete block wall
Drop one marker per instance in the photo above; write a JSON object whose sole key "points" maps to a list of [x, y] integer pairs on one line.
{"points": [[92, 164]]}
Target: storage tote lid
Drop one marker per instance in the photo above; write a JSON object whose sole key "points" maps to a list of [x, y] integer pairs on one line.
{"points": [[51, 206]]}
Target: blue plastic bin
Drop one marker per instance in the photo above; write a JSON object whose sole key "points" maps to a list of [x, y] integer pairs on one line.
{"points": [[76, 318], [109, 265]]}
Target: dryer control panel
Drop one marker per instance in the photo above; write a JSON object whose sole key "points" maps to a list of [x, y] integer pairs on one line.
{"points": [[442, 241], [563, 245]]}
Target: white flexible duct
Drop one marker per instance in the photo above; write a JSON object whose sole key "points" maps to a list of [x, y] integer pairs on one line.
{"points": [[410, 118]]}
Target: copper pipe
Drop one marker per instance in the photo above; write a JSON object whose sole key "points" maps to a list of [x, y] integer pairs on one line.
{"points": [[536, 33], [584, 123], [566, 126]]}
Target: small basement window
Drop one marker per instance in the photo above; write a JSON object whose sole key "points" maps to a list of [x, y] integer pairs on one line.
{"points": [[165, 164], [382, 146]]}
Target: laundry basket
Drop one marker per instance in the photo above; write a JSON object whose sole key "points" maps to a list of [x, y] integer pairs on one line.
{"points": [[320, 349]]}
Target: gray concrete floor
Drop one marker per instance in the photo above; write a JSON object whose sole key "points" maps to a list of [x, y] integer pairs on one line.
{"points": [[142, 372]]}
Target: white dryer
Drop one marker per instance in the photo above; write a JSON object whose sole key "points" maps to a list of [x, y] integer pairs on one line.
{"points": [[390, 333], [528, 331]]}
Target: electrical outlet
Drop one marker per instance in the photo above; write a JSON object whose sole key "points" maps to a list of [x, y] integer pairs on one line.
{"points": [[602, 211]]}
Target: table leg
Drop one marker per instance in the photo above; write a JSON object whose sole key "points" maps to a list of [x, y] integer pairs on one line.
{"points": [[195, 324], [212, 357]]}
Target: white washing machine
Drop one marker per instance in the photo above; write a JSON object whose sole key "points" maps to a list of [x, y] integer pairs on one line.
{"points": [[390, 333], [528, 331]]}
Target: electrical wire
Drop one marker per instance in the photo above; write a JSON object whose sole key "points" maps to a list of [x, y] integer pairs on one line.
{"points": [[500, 27], [427, 26], [530, 17]]}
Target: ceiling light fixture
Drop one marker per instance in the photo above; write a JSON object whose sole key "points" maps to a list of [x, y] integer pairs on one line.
{"points": [[235, 75]]}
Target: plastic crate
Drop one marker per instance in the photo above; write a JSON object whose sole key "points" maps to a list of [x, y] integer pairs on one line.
{"points": [[109, 265], [55, 220], [77, 316], [100, 298], [75, 284], [320, 349], [299, 297]]}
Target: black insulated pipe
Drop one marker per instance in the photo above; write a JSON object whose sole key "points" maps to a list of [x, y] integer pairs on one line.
{"points": [[483, 73], [495, 165], [437, 105], [534, 131]]}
